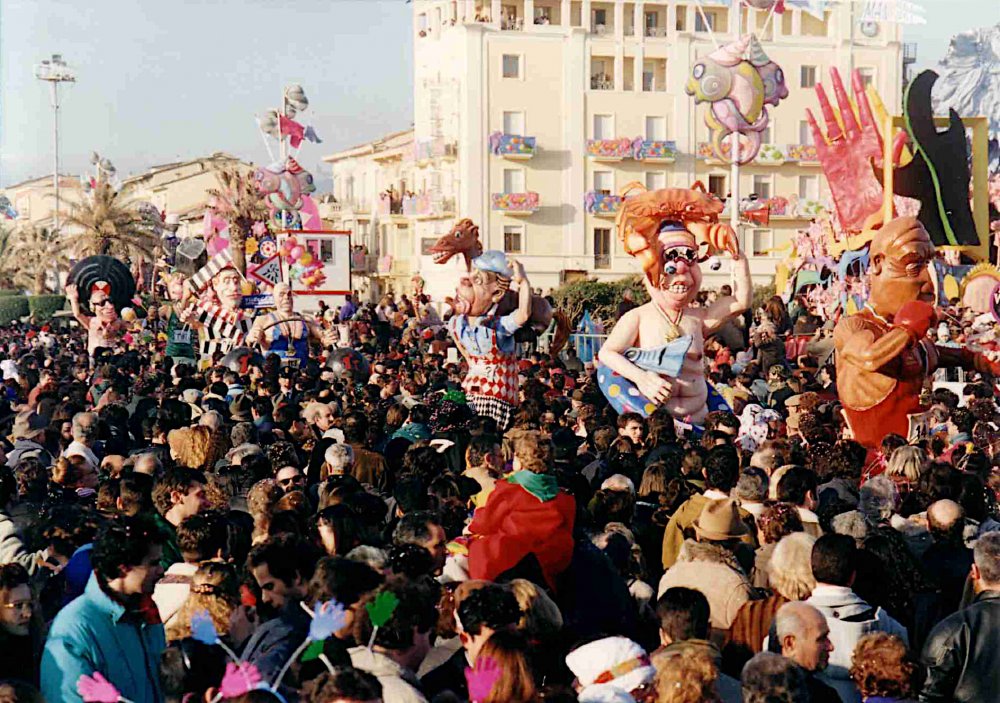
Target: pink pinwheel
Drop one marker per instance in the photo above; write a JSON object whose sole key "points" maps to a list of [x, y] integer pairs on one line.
{"points": [[239, 679], [482, 678], [97, 689]]}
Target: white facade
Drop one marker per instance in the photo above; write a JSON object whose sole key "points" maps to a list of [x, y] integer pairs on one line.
{"points": [[565, 72]]}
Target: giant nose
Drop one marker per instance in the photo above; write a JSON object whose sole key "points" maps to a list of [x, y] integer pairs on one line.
{"points": [[681, 266]]}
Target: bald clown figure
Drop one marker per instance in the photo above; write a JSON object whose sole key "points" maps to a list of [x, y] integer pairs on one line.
{"points": [[882, 353]]}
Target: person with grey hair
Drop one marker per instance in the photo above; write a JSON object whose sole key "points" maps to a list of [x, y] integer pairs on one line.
{"points": [[771, 678], [147, 463], [804, 638], [878, 500], [962, 654], [212, 419], [85, 429], [338, 460], [853, 524], [751, 490], [240, 452]]}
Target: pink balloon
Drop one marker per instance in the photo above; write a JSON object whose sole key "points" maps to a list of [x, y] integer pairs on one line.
{"points": [[296, 252]]}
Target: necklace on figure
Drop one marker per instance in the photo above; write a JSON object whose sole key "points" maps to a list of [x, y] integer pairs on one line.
{"points": [[673, 326]]}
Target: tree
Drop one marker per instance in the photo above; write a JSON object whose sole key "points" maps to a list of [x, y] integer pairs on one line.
{"points": [[238, 201], [28, 254], [107, 222]]}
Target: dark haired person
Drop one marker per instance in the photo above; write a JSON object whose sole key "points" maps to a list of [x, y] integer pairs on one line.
{"points": [[113, 627], [21, 626], [343, 685], [201, 537], [178, 494]]}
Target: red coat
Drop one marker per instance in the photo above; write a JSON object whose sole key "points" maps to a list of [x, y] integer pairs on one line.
{"points": [[513, 524]]}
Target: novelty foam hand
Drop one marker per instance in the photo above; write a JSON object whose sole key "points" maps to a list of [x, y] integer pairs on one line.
{"points": [[916, 317], [239, 679], [482, 678], [846, 154], [97, 689]]}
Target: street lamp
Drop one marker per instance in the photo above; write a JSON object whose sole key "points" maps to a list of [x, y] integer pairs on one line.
{"points": [[55, 71]]}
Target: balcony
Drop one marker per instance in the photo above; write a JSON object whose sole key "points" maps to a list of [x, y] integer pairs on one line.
{"points": [[385, 265], [613, 149], [512, 146], [516, 204], [363, 263], [602, 204], [512, 24], [771, 155], [429, 207], [657, 151], [656, 32], [802, 153], [602, 261], [427, 149], [388, 205], [602, 82]]}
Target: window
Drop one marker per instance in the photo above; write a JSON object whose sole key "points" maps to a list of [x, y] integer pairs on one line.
{"points": [[600, 18], [656, 180], [648, 79], [513, 123], [513, 180], [513, 239], [761, 187], [761, 242], [326, 251], [656, 128], [604, 127], [511, 66], [602, 248], [867, 75], [717, 186], [681, 24], [767, 136], [604, 182], [805, 132], [809, 187], [652, 21], [807, 77], [700, 20]]}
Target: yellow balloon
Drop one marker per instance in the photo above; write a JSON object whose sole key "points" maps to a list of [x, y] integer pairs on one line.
{"points": [[306, 258]]}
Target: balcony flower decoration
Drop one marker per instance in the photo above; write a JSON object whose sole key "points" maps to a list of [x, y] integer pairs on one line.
{"points": [[807, 207], [515, 202], [771, 154], [656, 150], [610, 148], [511, 145], [597, 203], [779, 206], [802, 152]]}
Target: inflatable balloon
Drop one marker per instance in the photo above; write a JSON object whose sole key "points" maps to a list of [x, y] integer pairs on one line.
{"points": [[296, 253], [240, 359], [738, 80], [306, 258], [344, 360]]}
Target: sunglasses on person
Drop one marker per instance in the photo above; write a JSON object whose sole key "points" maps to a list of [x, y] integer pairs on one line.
{"points": [[99, 303]]}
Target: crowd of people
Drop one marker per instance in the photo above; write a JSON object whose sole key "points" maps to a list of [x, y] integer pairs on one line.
{"points": [[577, 555]]}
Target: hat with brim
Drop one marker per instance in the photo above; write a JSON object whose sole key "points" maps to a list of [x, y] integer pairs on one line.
{"points": [[719, 521], [29, 425]]}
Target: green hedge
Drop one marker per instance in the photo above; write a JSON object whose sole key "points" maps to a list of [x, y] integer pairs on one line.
{"points": [[43, 307], [7, 292], [600, 297], [12, 308]]}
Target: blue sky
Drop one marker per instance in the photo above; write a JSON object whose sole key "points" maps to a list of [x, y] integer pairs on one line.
{"points": [[165, 80]]}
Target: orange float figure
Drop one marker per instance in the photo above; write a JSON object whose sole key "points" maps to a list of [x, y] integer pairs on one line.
{"points": [[882, 353]]}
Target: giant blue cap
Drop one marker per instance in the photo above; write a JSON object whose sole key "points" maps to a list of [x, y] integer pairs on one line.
{"points": [[495, 262]]}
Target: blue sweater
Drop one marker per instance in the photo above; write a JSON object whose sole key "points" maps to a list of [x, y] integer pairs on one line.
{"points": [[92, 634]]}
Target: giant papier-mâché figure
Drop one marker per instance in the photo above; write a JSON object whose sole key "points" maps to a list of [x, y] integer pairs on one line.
{"points": [[654, 353]]}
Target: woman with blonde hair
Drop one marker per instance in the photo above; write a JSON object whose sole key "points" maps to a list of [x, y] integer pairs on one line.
{"points": [[884, 669], [215, 589], [686, 676], [540, 615], [790, 578], [905, 466], [194, 447]]}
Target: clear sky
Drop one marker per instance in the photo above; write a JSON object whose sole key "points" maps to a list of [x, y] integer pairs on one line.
{"points": [[162, 80]]}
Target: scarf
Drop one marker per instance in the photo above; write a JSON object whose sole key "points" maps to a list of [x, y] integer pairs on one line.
{"points": [[542, 486]]}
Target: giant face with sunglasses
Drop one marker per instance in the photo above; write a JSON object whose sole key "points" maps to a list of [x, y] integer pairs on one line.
{"points": [[654, 354]]}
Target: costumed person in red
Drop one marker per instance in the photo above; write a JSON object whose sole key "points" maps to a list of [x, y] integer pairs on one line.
{"points": [[883, 354], [526, 514], [486, 338]]}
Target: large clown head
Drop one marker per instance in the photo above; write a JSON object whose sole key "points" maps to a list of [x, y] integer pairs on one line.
{"points": [[486, 285], [901, 253], [680, 275], [227, 285]]}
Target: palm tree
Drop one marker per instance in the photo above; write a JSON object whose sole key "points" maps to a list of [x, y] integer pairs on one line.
{"points": [[238, 201], [28, 254], [107, 222]]}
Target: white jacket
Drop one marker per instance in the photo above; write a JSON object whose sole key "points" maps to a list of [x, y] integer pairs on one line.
{"points": [[397, 683], [849, 619]]}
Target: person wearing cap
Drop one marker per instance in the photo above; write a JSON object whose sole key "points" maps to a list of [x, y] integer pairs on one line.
{"points": [[487, 340], [708, 562], [778, 390], [29, 429], [283, 332], [605, 669], [104, 327]]}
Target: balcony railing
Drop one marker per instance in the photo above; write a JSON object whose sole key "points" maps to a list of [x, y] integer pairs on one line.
{"points": [[656, 31], [771, 155], [656, 151], [427, 149], [512, 24], [613, 149], [363, 263], [803, 153], [602, 261], [601, 83], [385, 264], [602, 30], [388, 205], [515, 203], [512, 146], [602, 204]]}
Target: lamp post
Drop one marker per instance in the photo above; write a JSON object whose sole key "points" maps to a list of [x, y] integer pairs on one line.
{"points": [[55, 71]]}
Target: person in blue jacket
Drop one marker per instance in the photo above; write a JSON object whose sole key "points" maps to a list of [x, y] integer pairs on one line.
{"points": [[114, 627]]}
